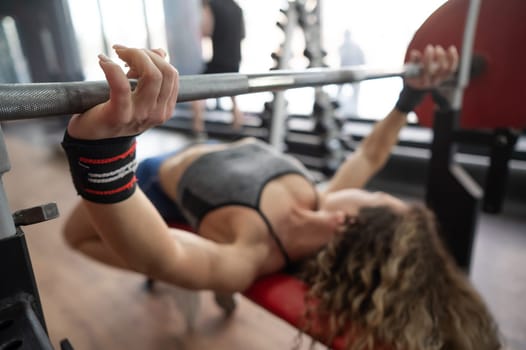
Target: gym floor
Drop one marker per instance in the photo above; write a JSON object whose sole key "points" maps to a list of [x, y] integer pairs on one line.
{"points": [[97, 307]]}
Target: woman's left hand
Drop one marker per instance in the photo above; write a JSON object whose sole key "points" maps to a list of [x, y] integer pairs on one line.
{"points": [[129, 112], [437, 63]]}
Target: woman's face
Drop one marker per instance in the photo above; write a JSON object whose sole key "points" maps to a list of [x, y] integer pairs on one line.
{"points": [[350, 201]]}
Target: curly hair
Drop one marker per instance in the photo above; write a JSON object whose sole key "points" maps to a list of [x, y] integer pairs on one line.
{"points": [[389, 280]]}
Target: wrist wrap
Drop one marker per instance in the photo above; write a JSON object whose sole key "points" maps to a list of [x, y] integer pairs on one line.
{"points": [[410, 98], [103, 171]]}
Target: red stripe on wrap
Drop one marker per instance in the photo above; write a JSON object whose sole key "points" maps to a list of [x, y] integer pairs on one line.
{"points": [[109, 160]]}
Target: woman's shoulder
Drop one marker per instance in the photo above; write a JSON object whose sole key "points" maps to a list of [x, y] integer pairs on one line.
{"points": [[249, 140]]}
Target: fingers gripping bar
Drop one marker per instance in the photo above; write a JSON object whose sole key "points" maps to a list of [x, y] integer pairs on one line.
{"points": [[37, 100]]}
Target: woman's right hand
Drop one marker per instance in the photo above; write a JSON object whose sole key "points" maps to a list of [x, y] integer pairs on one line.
{"points": [[129, 112]]}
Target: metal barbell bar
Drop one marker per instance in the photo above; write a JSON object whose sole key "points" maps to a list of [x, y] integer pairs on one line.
{"points": [[37, 100]]}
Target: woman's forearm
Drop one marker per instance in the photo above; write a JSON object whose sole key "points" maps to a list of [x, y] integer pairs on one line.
{"points": [[371, 154], [134, 230], [377, 146], [80, 235]]}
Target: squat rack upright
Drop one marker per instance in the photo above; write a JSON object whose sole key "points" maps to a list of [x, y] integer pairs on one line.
{"points": [[22, 323]]}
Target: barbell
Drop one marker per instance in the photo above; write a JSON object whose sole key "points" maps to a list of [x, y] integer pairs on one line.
{"points": [[37, 100]]}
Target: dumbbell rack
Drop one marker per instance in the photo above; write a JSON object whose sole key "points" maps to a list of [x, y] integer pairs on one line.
{"points": [[22, 323], [332, 153]]}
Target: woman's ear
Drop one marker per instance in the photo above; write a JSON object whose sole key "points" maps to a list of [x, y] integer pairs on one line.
{"points": [[326, 221]]}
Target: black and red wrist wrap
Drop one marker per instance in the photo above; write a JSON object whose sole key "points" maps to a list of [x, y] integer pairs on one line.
{"points": [[103, 171], [409, 98]]}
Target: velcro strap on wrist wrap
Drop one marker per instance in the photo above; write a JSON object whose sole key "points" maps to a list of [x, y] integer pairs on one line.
{"points": [[410, 98], [103, 171]]}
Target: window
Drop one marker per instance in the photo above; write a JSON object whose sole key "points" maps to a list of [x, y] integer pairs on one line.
{"points": [[382, 28]]}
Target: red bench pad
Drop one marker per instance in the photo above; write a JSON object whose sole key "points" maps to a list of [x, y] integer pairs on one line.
{"points": [[282, 295]]}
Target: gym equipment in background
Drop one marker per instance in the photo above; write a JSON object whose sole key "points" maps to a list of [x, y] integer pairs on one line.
{"points": [[41, 36], [323, 150], [486, 113]]}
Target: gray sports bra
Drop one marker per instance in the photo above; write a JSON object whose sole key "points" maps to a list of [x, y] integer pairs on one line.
{"points": [[234, 176]]}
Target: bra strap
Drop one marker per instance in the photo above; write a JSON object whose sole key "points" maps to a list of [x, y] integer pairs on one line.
{"points": [[273, 234]]}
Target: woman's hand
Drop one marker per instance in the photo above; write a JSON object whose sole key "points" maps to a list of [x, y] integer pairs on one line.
{"points": [[130, 112], [437, 64]]}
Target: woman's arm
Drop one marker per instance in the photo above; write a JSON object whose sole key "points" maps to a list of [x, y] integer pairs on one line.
{"points": [[373, 152], [130, 229], [131, 235]]}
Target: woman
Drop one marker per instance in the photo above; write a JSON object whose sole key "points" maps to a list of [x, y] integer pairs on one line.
{"points": [[256, 211]]}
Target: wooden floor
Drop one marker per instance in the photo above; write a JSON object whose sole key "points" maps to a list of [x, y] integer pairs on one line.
{"points": [[97, 307]]}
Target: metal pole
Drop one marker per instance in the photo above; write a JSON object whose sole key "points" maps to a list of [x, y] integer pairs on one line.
{"points": [[146, 24], [279, 113], [37, 100], [7, 225], [105, 44], [466, 54]]}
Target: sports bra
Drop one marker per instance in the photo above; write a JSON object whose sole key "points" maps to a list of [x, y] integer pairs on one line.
{"points": [[234, 176]]}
